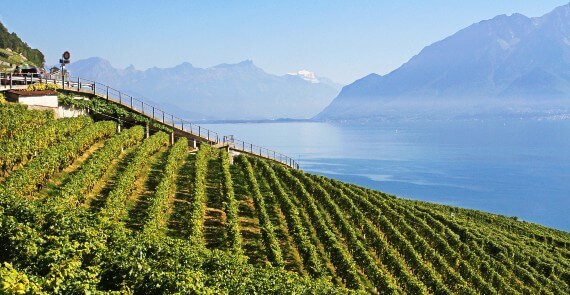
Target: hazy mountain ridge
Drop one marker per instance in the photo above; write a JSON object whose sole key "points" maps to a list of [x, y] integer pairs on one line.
{"points": [[226, 91], [501, 65]]}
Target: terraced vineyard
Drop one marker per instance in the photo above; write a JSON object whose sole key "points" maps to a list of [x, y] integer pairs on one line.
{"points": [[86, 208]]}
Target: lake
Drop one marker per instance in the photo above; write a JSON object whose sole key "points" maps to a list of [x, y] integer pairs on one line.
{"points": [[509, 167]]}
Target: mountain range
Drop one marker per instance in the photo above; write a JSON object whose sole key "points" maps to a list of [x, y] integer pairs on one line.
{"points": [[506, 65], [239, 91]]}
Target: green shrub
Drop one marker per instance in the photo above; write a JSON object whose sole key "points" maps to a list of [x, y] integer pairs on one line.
{"points": [[15, 282], [101, 106], [42, 86]]}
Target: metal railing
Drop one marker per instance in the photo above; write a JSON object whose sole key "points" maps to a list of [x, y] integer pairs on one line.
{"points": [[8, 80], [256, 150], [112, 94], [91, 87]]}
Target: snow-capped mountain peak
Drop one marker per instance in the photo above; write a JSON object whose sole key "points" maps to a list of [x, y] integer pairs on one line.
{"points": [[307, 76]]}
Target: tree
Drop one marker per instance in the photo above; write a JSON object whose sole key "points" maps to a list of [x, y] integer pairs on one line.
{"points": [[12, 41]]}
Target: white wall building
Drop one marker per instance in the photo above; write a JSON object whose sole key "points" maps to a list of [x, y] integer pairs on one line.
{"points": [[43, 100]]}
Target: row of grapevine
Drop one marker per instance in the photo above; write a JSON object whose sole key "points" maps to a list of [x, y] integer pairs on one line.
{"points": [[231, 205], [448, 275], [376, 241], [467, 270], [267, 232], [467, 266], [196, 218], [344, 264], [159, 203], [54, 159], [513, 260], [375, 272], [329, 268], [423, 269], [461, 236], [533, 267], [430, 245], [78, 184], [114, 208], [331, 232], [541, 234], [291, 256], [311, 261], [55, 250], [215, 234], [538, 233], [16, 120], [504, 280], [17, 150], [546, 262]]}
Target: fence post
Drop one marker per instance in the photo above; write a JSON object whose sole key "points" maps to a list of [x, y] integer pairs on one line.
{"points": [[199, 131], [131, 102], [107, 92], [153, 112], [10, 80], [172, 118], [162, 117], [120, 98], [142, 106], [208, 134], [78, 84], [94, 91], [182, 122]]}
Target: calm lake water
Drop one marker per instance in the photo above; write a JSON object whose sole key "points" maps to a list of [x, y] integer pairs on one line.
{"points": [[512, 167]]}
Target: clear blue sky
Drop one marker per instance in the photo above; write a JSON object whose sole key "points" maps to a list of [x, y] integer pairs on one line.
{"points": [[342, 40]]}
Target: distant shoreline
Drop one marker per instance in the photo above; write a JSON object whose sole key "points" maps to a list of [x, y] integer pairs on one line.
{"points": [[506, 116], [282, 120]]}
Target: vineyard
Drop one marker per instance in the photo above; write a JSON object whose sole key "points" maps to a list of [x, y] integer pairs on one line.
{"points": [[88, 209]]}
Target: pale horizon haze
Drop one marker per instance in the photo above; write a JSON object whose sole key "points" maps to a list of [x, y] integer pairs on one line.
{"points": [[340, 40]]}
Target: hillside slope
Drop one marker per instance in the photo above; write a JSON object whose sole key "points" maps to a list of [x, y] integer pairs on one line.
{"points": [[506, 65], [33, 57], [97, 210]]}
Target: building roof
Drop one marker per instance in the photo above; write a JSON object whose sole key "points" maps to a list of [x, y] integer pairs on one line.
{"points": [[33, 93]]}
